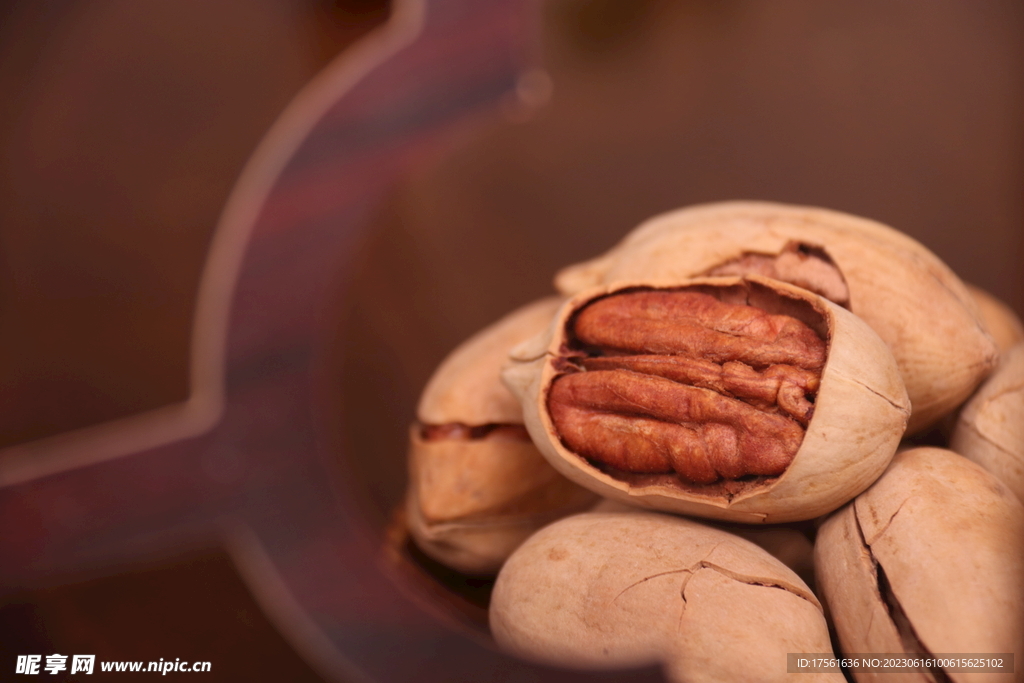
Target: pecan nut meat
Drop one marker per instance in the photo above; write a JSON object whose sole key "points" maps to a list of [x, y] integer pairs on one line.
{"points": [[736, 398], [701, 394]]}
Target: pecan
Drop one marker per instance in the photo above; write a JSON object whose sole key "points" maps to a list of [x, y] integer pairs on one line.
{"points": [[694, 323], [905, 293], [603, 590], [477, 484], [660, 381], [721, 380], [929, 559], [782, 385]]}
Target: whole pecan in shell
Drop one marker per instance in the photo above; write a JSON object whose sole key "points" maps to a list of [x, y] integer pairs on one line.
{"points": [[478, 486], [1000, 320], [615, 590], [928, 561], [915, 303], [990, 427]]}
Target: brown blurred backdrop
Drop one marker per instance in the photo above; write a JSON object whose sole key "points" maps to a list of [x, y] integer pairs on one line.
{"points": [[125, 124]]}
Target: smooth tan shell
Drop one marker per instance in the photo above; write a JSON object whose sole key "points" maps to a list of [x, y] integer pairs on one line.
{"points": [[616, 590], [471, 502], [860, 415], [473, 546], [462, 479], [902, 290], [464, 386], [999, 319], [950, 540], [990, 428]]}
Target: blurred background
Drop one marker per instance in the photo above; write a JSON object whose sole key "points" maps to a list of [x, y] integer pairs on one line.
{"points": [[124, 125]]}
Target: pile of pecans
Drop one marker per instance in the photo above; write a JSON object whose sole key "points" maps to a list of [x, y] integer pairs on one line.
{"points": [[629, 454]]}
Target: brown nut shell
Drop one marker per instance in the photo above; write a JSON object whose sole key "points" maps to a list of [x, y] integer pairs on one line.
{"points": [[471, 503], [478, 486], [902, 290], [790, 546], [929, 560], [999, 319], [859, 415], [616, 590], [990, 428]]}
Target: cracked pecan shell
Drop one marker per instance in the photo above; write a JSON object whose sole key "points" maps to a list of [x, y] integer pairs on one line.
{"points": [[928, 560], [478, 486], [616, 590], [990, 428], [1000, 320], [915, 303], [734, 398]]}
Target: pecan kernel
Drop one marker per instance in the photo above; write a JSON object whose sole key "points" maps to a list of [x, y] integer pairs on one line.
{"points": [[804, 265], [661, 381]]}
